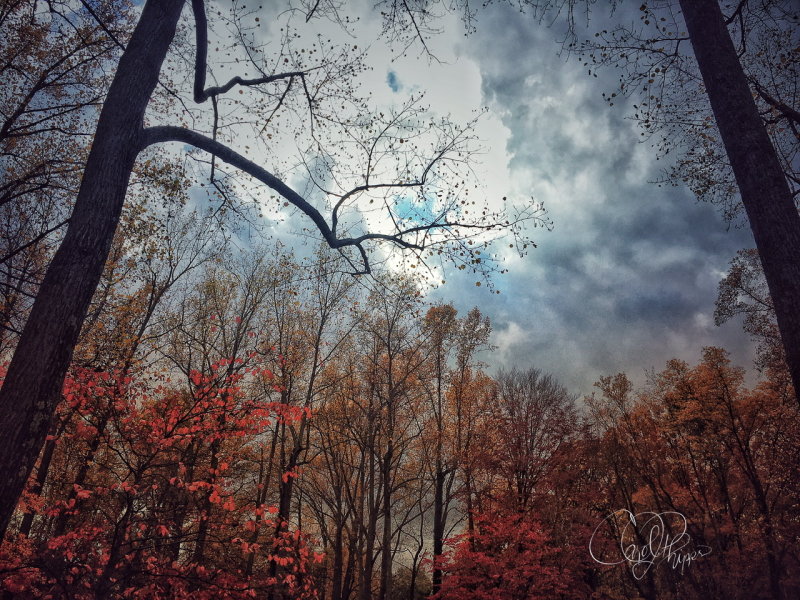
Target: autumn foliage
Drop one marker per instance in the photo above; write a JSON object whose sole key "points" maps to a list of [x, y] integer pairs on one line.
{"points": [[283, 471], [507, 557], [274, 452], [237, 422], [157, 514]]}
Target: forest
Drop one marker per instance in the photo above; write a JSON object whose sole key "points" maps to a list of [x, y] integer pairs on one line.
{"points": [[262, 445], [223, 373]]}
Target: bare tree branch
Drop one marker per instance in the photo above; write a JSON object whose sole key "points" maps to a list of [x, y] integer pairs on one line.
{"points": [[408, 238], [201, 93], [34, 241]]}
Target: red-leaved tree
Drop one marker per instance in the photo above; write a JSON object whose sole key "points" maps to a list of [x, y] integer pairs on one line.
{"points": [[508, 557], [159, 512]]}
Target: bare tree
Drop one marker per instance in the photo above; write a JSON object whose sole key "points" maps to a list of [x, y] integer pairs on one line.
{"points": [[539, 418]]}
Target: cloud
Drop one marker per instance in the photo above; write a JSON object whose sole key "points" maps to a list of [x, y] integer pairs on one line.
{"points": [[628, 278], [507, 339]]}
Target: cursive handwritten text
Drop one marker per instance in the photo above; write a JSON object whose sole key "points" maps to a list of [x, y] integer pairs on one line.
{"points": [[644, 540]]}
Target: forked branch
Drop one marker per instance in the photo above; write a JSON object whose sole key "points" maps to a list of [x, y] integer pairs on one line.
{"points": [[406, 238], [202, 93]]}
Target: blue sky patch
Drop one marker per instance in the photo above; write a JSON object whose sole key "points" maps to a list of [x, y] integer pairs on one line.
{"points": [[411, 208], [393, 81]]}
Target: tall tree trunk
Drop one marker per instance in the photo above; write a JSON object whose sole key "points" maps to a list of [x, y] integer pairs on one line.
{"points": [[386, 539], [338, 558], [469, 507], [371, 530], [80, 478], [41, 477], [106, 581], [207, 507], [349, 580], [438, 524], [765, 192], [181, 502], [285, 491], [768, 535], [32, 387], [261, 497]]}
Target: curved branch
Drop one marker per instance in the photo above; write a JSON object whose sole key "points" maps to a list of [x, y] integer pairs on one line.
{"points": [[160, 134], [217, 90], [167, 133], [786, 111]]}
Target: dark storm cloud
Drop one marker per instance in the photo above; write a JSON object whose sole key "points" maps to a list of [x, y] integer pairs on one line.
{"points": [[627, 280]]}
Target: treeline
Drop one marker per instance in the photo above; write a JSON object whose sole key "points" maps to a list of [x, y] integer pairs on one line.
{"points": [[263, 427]]}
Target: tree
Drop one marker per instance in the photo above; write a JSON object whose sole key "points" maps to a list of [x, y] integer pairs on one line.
{"points": [[759, 142], [448, 426], [743, 74], [35, 375], [765, 192], [509, 558], [52, 76], [696, 442], [441, 323], [146, 497], [743, 291], [539, 418]]}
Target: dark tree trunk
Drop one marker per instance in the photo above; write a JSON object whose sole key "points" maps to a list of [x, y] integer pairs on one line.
{"points": [[438, 525], [285, 491], [470, 508], [386, 538], [338, 559], [32, 387], [207, 507], [349, 580], [765, 193], [371, 530], [41, 477], [261, 497], [181, 502]]}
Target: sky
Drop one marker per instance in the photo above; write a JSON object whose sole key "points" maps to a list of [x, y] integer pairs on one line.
{"points": [[627, 278]]}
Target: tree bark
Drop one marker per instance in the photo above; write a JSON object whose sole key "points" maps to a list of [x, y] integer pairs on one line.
{"points": [[371, 529], [386, 537], [765, 192], [338, 559], [438, 524], [35, 376]]}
